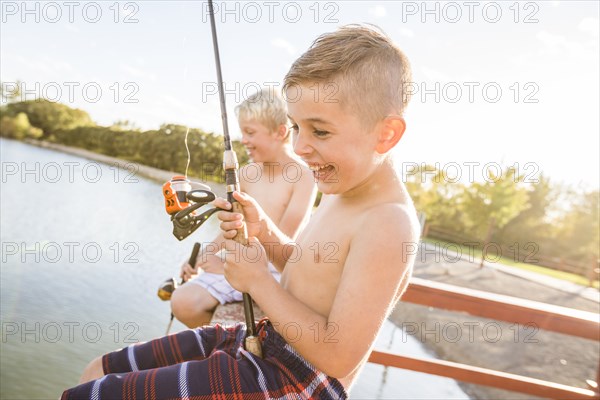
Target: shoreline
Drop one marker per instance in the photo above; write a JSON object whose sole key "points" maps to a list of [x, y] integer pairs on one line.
{"points": [[154, 174]]}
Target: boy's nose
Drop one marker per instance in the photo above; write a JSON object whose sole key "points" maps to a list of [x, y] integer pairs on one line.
{"points": [[301, 145]]}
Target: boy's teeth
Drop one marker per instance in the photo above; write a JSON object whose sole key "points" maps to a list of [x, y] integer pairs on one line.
{"points": [[318, 167]]}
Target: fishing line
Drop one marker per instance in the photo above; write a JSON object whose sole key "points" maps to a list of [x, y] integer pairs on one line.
{"points": [[187, 148], [185, 71]]}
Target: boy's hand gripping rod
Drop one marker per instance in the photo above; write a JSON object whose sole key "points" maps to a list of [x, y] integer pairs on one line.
{"points": [[230, 164]]}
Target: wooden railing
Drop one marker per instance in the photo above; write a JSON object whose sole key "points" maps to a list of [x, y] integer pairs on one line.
{"points": [[482, 304], [504, 308]]}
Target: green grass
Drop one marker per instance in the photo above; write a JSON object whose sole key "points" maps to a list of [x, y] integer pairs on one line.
{"points": [[566, 276]]}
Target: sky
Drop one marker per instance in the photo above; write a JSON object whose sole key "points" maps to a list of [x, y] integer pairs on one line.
{"points": [[495, 84]]}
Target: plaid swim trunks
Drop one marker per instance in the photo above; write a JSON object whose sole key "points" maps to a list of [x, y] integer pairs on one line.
{"points": [[209, 363]]}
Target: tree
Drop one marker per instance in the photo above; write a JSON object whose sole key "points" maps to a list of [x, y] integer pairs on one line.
{"points": [[49, 116], [10, 91], [439, 197], [124, 125], [18, 127], [578, 230], [534, 225], [494, 203]]}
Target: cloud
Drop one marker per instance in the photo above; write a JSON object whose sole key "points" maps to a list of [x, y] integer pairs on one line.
{"points": [[378, 11], [60, 65], [556, 43], [560, 45], [434, 75], [174, 102], [138, 73], [284, 44], [72, 28], [45, 64], [551, 40], [406, 32], [589, 25]]}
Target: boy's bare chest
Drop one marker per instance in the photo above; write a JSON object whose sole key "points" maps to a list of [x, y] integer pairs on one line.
{"points": [[273, 195], [315, 267]]}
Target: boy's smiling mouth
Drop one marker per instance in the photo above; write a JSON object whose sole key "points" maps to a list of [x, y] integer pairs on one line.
{"points": [[321, 171], [317, 167]]}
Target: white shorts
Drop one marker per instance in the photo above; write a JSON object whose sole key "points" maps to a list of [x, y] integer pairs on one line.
{"points": [[220, 289]]}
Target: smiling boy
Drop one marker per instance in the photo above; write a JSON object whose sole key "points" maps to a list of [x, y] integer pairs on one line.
{"points": [[348, 267]]}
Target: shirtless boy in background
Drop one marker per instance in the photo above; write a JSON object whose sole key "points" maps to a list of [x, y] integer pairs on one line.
{"points": [[284, 188]]}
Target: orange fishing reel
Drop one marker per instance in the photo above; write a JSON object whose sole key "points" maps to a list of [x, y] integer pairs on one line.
{"points": [[175, 192], [181, 203]]}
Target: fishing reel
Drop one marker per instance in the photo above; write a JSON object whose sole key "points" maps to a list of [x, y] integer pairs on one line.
{"points": [[166, 289], [181, 203]]}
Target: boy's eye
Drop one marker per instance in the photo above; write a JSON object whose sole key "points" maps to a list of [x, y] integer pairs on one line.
{"points": [[318, 133]]}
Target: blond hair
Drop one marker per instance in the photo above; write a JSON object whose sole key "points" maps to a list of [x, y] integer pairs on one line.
{"points": [[265, 106], [367, 72]]}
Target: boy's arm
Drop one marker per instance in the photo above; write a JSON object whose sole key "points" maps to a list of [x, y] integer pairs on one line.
{"points": [[375, 272], [273, 234], [299, 208], [207, 260], [278, 246]]}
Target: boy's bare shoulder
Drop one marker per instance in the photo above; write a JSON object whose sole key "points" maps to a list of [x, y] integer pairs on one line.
{"points": [[396, 222]]}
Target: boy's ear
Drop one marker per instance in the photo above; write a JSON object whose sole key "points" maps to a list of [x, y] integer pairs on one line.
{"points": [[282, 131], [391, 132]]}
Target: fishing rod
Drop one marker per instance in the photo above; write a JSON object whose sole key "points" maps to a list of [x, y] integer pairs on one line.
{"points": [[181, 202], [232, 184]]}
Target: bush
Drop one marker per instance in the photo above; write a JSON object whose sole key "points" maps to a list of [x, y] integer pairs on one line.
{"points": [[18, 127]]}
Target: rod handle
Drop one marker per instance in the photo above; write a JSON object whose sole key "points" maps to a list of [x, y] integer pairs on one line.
{"points": [[193, 257], [253, 346], [194, 254], [242, 234]]}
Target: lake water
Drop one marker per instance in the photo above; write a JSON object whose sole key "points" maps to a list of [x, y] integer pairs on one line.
{"points": [[84, 247]]}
